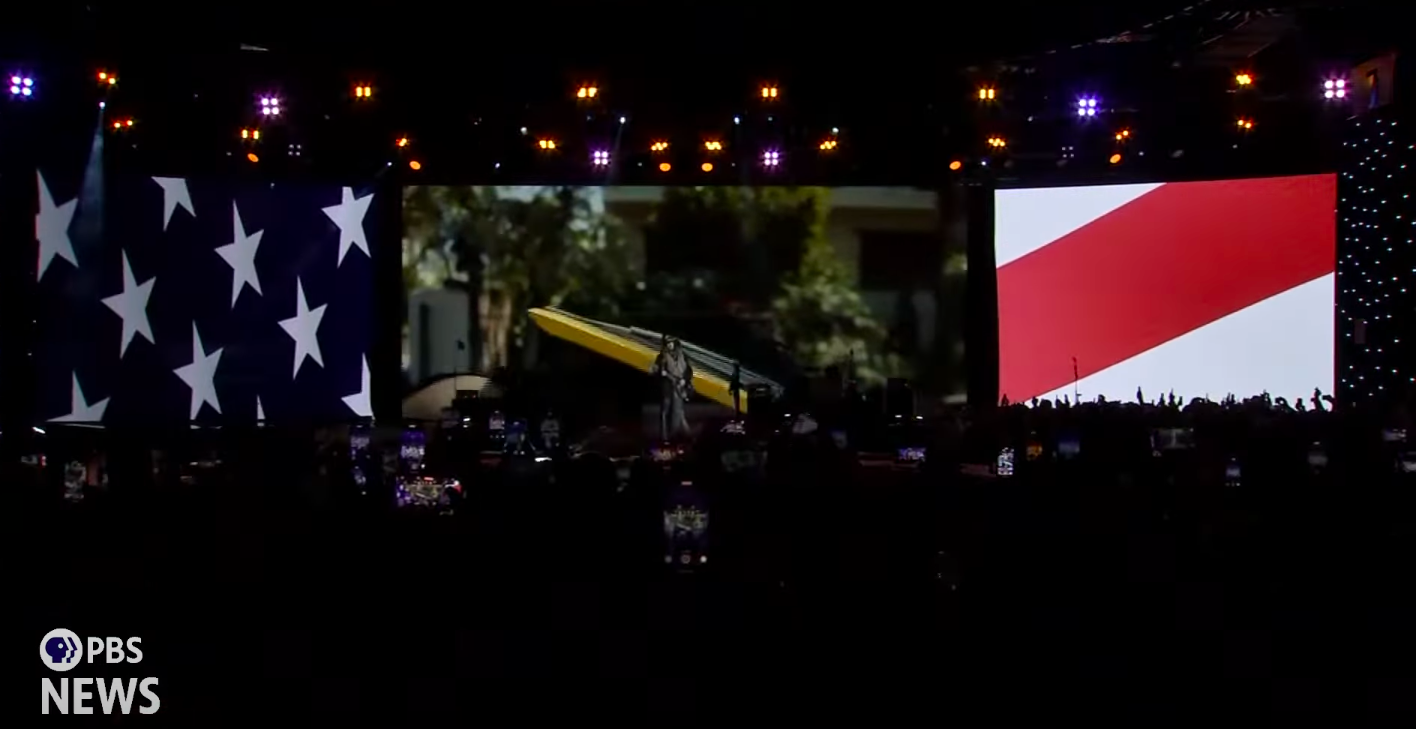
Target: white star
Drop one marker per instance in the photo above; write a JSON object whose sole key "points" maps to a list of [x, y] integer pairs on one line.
{"points": [[304, 329], [79, 409], [349, 216], [241, 257], [359, 401], [174, 195], [260, 411], [131, 305], [200, 375], [51, 227]]}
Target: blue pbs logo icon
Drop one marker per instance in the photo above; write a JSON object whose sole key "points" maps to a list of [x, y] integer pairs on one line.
{"points": [[61, 649]]}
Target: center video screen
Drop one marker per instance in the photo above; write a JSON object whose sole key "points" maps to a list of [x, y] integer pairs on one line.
{"points": [[1201, 288], [784, 280]]}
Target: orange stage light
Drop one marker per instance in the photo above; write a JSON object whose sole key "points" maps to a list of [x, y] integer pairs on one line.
{"points": [[665, 166], [252, 157], [707, 166]]}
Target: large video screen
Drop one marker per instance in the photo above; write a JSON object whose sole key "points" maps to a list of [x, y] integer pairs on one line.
{"points": [[1200, 288], [776, 277], [166, 300]]}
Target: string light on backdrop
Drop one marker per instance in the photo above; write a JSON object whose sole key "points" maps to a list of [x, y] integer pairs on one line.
{"points": [[1086, 106], [1335, 88], [21, 86], [270, 106], [107, 79], [600, 158], [1376, 267]]}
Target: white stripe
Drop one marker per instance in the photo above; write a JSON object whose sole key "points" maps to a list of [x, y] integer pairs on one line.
{"points": [[1026, 220], [1282, 345]]}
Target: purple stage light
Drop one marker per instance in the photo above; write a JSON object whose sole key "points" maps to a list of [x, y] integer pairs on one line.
{"points": [[1335, 88], [600, 158], [270, 106], [770, 158], [1086, 106], [21, 85]]}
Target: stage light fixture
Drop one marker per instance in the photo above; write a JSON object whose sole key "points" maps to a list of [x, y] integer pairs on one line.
{"points": [[251, 156], [1243, 79], [1086, 106], [956, 165], [771, 158], [270, 106], [987, 93], [294, 150], [769, 92], [828, 145], [600, 158], [107, 79], [363, 91], [401, 143], [997, 142], [665, 166], [1245, 124], [707, 167], [122, 123], [546, 144], [586, 92], [21, 86], [251, 134], [1115, 158], [1335, 88], [658, 147], [415, 165], [713, 146], [1123, 135]]}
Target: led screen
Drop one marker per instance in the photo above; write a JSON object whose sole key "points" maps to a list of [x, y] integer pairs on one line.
{"points": [[778, 278], [1200, 288]]}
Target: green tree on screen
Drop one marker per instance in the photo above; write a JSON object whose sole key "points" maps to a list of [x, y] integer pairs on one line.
{"points": [[516, 248]]}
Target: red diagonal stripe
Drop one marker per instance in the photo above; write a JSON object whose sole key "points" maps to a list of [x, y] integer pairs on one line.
{"points": [[1168, 262]]}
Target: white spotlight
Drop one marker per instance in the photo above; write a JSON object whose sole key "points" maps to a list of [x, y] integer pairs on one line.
{"points": [[600, 158], [21, 86], [770, 158], [1335, 88], [270, 106]]}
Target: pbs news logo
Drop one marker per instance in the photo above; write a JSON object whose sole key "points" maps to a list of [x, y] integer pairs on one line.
{"points": [[63, 650]]}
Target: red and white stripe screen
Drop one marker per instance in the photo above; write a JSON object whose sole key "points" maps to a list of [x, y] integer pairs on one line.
{"points": [[1203, 288]]}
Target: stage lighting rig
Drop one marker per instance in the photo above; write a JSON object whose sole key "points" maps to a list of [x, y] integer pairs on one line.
{"points": [[1123, 135], [121, 124], [586, 92], [1335, 88], [270, 106], [997, 142], [1086, 106], [600, 158], [107, 79], [363, 92], [415, 165], [546, 145], [956, 165], [771, 158], [707, 167], [251, 135], [987, 93], [1244, 124], [665, 167], [1243, 79], [659, 147], [713, 145], [252, 158], [769, 92], [401, 142], [294, 150], [828, 145], [21, 86]]}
